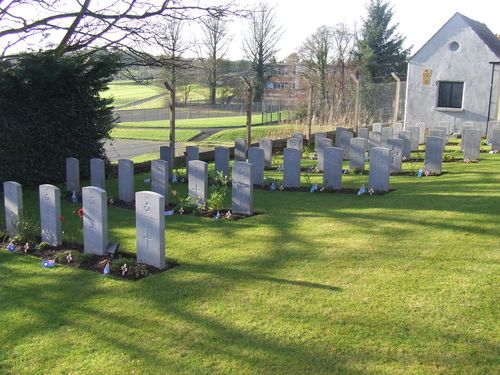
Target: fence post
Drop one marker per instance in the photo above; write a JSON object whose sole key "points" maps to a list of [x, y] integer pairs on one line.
{"points": [[249, 111], [309, 111], [356, 103], [396, 98]]}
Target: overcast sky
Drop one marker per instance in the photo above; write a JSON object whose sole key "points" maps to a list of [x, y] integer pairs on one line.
{"points": [[418, 19]]}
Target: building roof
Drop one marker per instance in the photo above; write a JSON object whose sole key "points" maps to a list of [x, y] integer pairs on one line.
{"points": [[482, 31], [485, 34]]}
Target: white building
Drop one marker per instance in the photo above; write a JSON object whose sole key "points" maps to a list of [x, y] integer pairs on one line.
{"points": [[455, 76]]}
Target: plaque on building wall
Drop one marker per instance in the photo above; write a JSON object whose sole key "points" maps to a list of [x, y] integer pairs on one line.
{"points": [[426, 76]]}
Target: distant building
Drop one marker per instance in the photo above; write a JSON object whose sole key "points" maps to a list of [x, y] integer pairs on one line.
{"points": [[285, 84], [450, 77]]}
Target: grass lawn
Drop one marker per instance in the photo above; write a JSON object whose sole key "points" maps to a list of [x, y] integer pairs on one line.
{"points": [[208, 122], [153, 134], [129, 92], [273, 131], [404, 283]]}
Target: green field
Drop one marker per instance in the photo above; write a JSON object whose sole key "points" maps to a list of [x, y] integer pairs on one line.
{"points": [[403, 283], [153, 134], [207, 122], [127, 92]]}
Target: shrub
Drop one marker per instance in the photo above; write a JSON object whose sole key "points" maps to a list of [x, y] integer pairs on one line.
{"points": [[50, 109]]}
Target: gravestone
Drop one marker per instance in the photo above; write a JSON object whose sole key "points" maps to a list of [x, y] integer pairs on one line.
{"points": [[317, 137], [95, 220], [198, 181], [73, 175], [321, 144], [126, 180], [446, 125], [466, 126], [386, 134], [332, 176], [338, 135], [414, 137], [491, 127], [380, 168], [192, 153], [495, 137], [150, 228], [434, 154], [377, 127], [357, 153], [222, 160], [13, 203], [256, 158], [50, 214], [472, 144], [291, 168], [398, 126], [437, 133], [345, 143], [159, 177], [375, 139], [242, 188], [294, 143], [396, 147], [363, 133], [405, 135], [421, 134], [267, 145], [97, 173], [445, 131], [168, 157], [240, 145], [301, 137]]}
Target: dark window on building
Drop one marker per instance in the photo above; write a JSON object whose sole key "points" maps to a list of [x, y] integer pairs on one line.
{"points": [[450, 94]]}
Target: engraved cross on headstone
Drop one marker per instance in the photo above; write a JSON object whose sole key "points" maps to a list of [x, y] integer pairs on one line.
{"points": [[147, 238]]}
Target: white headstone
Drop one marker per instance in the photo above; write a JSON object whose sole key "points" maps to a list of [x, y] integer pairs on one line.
{"points": [[126, 180], [159, 177], [150, 228], [198, 181], [97, 173], [73, 175], [13, 202], [95, 220], [50, 214], [242, 188]]}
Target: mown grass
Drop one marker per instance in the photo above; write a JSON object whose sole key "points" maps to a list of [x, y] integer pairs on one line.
{"points": [[273, 131], [404, 283], [153, 134], [207, 122], [123, 93]]}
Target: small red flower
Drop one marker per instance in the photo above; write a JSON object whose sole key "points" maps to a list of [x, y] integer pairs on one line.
{"points": [[80, 213], [61, 218]]}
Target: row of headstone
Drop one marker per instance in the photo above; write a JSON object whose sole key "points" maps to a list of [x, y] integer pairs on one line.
{"points": [[97, 174], [494, 138]]}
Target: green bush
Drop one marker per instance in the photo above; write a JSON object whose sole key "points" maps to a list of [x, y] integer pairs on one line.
{"points": [[50, 109]]}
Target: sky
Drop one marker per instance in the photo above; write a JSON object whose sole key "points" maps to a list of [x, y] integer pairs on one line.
{"points": [[418, 19]]}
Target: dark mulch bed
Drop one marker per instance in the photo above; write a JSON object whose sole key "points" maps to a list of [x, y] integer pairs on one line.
{"points": [[414, 174], [95, 263], [304, 189], [224, 214]]}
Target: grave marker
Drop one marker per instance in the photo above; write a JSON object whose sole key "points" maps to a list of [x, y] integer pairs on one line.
{"points": [[198, 181], [345, 143], [240, 145], [150, 228], [396, 147], [472, 144], [332, 176], [267, 145], [160, 178], [291, 166], [294, 143], [414, 137], [242, 188], [192, 153], [95, 220], [97, 173], [377, 127], [338, 135], [256, 158], [125, 180], [50, 214], [13, 203], [321, 144], [405, 135], [222, 160], [380, 168], [357, 153], [73, 175], [434, 154]]}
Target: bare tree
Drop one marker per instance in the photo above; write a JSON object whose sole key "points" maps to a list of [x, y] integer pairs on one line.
{"points": [[316, 54], [72, 26], [214, 46], [260, 43]]}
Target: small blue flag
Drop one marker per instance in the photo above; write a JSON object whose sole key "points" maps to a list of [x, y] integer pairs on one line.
{"points": [[106, 269], [11, 247], [74, 198], [48, 263], [362, 190], [420, 172], [174, 179], [217, 216], [273, 186], [314, 188]]}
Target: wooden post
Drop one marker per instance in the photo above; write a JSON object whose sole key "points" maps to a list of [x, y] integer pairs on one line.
{"points": [[356, 104], [249, 111], [396, 98], [310, 112], [171, 90]]}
